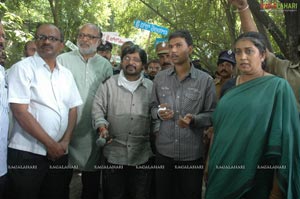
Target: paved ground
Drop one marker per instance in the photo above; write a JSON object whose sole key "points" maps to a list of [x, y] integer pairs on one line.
{"points": [[75, 186]]}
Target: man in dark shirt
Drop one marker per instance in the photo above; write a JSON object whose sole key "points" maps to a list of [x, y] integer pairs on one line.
{"points": [[183, 98]]}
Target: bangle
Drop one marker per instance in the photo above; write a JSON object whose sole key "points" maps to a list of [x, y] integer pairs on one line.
{"points": [[242, 10]]}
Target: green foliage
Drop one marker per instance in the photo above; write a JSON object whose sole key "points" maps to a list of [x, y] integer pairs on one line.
{"points": [[16, 35], [204, 19], [212, 23]]}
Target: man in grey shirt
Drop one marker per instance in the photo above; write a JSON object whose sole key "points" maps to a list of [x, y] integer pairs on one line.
{"points": [[121, 109], [183, 98]]}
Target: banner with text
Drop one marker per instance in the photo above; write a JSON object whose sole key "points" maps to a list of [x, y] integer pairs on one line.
{"points": [[114, 38], [151, 27]]}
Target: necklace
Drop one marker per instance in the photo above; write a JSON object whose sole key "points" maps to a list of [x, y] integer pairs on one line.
{"points": [[239, 81]]}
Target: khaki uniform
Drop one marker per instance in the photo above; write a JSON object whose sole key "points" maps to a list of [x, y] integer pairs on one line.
{"points": [[288, 71]]}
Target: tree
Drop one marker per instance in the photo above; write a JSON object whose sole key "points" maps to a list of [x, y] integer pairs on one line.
{"points": [[15, 34], [212, 23], [204, 19], [68, 15], [289, 40]]}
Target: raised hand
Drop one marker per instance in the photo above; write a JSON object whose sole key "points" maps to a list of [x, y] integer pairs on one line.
{"points": [[239, 4]]}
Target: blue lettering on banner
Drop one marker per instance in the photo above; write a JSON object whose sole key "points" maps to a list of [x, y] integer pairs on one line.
{"points": [[151, 27]]}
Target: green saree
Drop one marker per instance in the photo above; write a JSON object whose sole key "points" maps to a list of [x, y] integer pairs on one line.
{"points": [[257, 132]]}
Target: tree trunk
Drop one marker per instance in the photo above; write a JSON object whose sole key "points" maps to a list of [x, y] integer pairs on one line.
{"points": [[231, 21], [54, 11], [292, 29], [288, 45]]}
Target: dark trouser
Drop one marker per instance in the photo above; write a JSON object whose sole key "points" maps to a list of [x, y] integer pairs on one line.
{"points": [[3, 185], [34, 176], [127, 182], [90, 184], [178, 179]]}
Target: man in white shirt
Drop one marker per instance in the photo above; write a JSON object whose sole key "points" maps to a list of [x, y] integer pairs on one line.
{"points": [[43, 98], [3, 119]]}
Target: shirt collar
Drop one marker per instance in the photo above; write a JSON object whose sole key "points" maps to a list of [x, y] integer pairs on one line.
{"points": [[143, 79], [143, 83], [41, 61], [192, 72]]}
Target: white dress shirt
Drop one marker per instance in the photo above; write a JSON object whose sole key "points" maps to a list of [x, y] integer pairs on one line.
{"points": [[3, 122], [49, 96]]}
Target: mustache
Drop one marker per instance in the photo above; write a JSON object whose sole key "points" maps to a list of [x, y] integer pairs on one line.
{"points": [[83, 44], [166, 64], [224, 71], [46, 45], [128, 65]]}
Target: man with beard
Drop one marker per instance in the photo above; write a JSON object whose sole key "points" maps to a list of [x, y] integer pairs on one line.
{"points": [[226, 63], [43, 98], [117, 67], [183, 98], [162, 51], [89, 70], [121, 109], [3, 119]]}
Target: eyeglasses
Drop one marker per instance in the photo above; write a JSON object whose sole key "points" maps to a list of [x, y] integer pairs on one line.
{"points": [[45, 37], [88, 36], [134, 59]]}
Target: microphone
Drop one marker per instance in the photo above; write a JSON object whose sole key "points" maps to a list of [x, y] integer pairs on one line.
{"points": [[101, 141]]}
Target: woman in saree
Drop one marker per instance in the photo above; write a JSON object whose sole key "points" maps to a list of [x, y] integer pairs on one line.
{"points": [[255, 153]]}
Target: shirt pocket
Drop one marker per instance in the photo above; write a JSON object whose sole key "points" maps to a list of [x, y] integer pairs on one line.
{"points": [[192, 96], [193, 102]]}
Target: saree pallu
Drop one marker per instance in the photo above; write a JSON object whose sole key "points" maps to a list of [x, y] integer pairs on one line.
{"points": [[257, 132]]}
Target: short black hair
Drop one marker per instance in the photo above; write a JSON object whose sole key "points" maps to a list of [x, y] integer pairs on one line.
{"points": [[183, 34], [126, 44], [135, 49], [105, 46], [156, 61]]}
